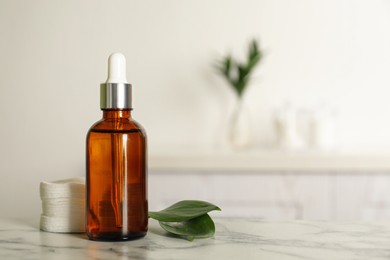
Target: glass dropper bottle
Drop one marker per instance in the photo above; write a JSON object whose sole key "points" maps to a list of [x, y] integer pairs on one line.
{"points": [[117, 204]]}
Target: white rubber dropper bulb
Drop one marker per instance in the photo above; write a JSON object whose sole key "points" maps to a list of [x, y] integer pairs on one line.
{"points": [[116, 68]]}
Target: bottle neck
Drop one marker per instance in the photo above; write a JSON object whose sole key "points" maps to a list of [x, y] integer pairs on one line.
{"points": [[116, 113]]}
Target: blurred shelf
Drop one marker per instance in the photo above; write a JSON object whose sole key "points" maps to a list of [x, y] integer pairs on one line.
{"points": [[270, 160]]}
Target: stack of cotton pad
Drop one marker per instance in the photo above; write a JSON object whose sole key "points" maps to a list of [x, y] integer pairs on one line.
{"points": [[63, 205]]}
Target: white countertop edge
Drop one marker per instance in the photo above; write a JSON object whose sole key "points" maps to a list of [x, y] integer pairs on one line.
{"points": [[271, 160]]}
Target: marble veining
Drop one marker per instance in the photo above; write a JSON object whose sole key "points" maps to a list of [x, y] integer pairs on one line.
{"points": [[234, 239]]}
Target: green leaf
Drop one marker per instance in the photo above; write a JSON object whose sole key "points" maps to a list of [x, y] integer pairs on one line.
{"points": [[227, 65], [253, 50], [183, 210], [199, 227]]}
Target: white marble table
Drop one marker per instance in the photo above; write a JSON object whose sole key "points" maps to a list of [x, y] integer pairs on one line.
{"points": [[234, 239]]}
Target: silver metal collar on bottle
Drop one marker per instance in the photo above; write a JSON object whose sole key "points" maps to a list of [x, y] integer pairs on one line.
{"points": [[115, 95]]}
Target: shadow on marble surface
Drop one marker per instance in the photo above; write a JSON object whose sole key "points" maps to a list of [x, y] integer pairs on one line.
{"points": [[79, 235], [157, 230], [154, 228]]}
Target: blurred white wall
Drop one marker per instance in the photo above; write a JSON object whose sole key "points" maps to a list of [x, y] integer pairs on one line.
{"points": [[53, 58]]}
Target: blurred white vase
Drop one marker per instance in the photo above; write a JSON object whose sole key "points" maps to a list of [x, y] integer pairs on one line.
{"points": [[239, 131], [323, 128], [287, 128]]}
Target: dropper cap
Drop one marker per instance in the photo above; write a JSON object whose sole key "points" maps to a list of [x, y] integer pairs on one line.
{"points": [[115, 93]]}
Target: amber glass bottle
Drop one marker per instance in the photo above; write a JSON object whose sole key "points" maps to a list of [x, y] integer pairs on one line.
{"points": [[117, 205]]}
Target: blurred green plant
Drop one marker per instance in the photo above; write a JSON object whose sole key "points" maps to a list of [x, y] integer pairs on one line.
{"points": [[238, 74]]}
